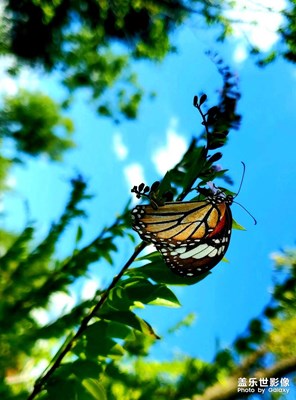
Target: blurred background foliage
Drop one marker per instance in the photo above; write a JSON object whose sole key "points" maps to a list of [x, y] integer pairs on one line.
{"points": [[93, 45]]}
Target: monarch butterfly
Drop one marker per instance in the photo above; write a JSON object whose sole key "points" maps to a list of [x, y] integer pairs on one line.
{"points": [[192, 236]]}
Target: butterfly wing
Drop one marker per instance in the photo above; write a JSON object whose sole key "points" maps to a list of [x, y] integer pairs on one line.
{"points": [[192, 236]]}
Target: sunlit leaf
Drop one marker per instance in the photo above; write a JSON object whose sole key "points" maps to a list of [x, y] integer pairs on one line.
{"points": [[95, 389], [236, 225]]}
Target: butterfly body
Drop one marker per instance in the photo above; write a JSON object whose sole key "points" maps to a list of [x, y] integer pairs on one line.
{"points": [[192, 236]]}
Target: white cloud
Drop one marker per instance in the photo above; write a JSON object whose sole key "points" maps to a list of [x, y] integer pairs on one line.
{"points": [[10, 85], [240, 53], [61, 303], [40, 315], [134, 175], [167, 156], [11, 181], [89, 289], [258, 24], [2, 207], [119, 147]]}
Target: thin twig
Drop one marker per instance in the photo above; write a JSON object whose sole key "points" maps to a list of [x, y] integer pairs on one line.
{"points": [[66, 347], [205, 124], [228, 389]]}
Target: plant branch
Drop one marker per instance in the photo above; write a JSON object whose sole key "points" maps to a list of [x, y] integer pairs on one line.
{"points": [[227, 390], [66, 347], [205, 124]]}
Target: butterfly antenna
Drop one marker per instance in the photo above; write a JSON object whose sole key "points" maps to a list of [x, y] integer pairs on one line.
{"points": [[239, 189], [242, 179], [248, 212]]}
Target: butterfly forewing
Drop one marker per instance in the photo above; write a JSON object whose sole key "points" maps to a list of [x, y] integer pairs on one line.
{"points": [[192, 236]]}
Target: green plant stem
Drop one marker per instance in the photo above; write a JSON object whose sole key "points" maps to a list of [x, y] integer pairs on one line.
{"points": [[67, 346]]}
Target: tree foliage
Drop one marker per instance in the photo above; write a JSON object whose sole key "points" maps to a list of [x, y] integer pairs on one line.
{"points": [[103, 344], [34, 122], [31, 123], [92, 43], [86, 41], [107, 343]]}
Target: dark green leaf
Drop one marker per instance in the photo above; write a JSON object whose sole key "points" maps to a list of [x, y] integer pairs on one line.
{"points": [[130, 319], [79, 234], [158, 271], [85, 369], [98, 340]]}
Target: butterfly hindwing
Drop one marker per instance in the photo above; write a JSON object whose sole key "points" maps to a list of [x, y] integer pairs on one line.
{"points": [[195, 258]]}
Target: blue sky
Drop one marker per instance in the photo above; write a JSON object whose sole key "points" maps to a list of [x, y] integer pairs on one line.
{"points": [[115, 158]]}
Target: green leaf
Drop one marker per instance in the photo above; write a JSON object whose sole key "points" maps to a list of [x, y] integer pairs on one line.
{"points": [[132, 237], [140, 289], [188, 320], [132, 320], [31, 119], [64, 389], [95, 389], [197, 164], [79, 234], [106, 328], [159, 272], [165, 185], [86, 369], [151, 256], [236, 225], [98, 340], [117, 300], [164, 297]]}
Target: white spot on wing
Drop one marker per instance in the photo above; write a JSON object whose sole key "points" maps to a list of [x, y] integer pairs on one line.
{"points": [[192, 252], [221, 249], [181, 250], [213, 253], [202, 251]]}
